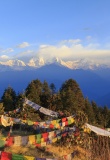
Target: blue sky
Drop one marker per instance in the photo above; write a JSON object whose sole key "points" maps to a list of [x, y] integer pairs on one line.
{"points": [[68, 29]]}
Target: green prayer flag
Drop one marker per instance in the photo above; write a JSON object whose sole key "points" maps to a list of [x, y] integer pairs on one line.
{"points": [[39, 136], [38, 141], [69, 121], [2, 143], [17, 157], [58, 120], [30, 122]]}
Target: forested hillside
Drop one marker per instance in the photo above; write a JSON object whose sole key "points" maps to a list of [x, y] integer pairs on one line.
{"points": [[68, 100]]}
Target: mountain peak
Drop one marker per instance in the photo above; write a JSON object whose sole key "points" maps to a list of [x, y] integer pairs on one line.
{"points": [[12, 62], [56, 60], [37, 62]]}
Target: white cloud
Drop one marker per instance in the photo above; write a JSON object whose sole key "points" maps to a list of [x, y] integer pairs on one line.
{"points": [[92, 46], [4, 57], [8, 50], [44, 46], [25, 53], [76, 51], [68, 50], [23, 45], [70, 41], [53, 51]]}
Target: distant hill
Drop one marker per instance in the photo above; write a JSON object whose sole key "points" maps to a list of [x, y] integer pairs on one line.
{"points": [[94, 85]]}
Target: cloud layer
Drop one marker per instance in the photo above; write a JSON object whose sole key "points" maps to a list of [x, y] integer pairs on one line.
{"points": [[23, 45], [71, 49]]}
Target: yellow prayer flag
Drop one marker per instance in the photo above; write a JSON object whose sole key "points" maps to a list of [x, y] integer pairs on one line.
{"points": [[57, 125], [54, 139], [53, 122], [29, 158], [24, 120], [42, 140], [32, 139], [72, 120], [3, 138]]}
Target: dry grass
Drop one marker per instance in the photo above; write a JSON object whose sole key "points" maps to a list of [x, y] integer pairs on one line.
{"points": [[51, 151], [99, 148], [28, 151]]}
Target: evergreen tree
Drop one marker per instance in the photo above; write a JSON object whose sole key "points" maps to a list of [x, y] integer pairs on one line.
{"points": [[53, 88], [100, 118], [106, 116], [45, 95], [53, 97], [19, 101], [72, 97], [89, 111], [108, 119], [9, 99], [1, 109], [59, 104], [98, 114], [33, 91]]}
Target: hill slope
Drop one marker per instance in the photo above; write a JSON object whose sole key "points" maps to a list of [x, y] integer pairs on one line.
{"points": [[92, 84]]}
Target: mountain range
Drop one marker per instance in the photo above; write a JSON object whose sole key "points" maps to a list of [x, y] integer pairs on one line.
{"points": [[93, 79], [35, 63]]}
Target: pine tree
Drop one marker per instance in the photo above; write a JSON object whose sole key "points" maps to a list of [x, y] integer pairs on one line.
{"points": [[106, 116], [72, 97], [89, 111], [45, 95], [9, 99], [19, 101], [53, 88], [98, 114], [33, 91], [59, 104], [1, 109]]}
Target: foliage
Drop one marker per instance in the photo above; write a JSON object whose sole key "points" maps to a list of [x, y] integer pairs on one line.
{"points": [[68, 100], [1, 109], [89, 111], [45, 95], [71, 95], [9, 99]]}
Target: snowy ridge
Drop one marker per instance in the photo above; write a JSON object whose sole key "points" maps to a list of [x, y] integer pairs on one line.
{"points": [[13, 63], [35, 63]]}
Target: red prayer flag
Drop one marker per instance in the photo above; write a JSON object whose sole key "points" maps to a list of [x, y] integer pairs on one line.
{"points": [[10, 141], [51, 126], [45, 135], [6, 156], [66, 123], [64, 119]]}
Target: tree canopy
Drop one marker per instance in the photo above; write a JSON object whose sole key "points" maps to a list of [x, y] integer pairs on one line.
{"points": [[69, 99]]}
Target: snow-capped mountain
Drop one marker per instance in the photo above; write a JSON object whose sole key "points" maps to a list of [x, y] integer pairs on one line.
{"points": [[85, 64], [35, 63], [13, 63], [93, 78]]}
